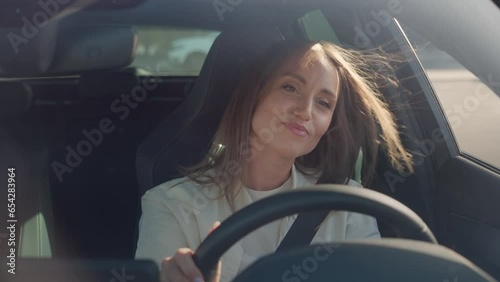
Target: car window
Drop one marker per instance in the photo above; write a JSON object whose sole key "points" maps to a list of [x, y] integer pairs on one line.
{"points": [[471, 107], [172, 51], [316, 27]]}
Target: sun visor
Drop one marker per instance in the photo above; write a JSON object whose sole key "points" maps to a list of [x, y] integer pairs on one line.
{"points": [[50, 50], [27, 50]]}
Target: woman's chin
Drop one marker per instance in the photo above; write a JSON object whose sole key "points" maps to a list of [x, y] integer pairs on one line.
{"points": [[291, 151]]}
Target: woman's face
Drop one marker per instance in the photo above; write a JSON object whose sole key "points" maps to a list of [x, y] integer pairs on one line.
{"points": [[297, 109]]}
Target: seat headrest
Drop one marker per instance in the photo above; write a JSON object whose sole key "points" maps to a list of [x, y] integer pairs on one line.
{"points": [[107, 84], [15, 98]]}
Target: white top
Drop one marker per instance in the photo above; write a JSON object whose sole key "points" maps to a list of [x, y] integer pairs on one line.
{"points": [[179, 213], [264, 240]]}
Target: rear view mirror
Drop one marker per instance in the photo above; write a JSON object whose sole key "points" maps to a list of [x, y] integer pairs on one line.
{"points": [[94, 48]]}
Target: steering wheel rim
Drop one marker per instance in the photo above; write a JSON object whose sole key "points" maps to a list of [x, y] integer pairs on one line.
{"points": [[405, 222]]}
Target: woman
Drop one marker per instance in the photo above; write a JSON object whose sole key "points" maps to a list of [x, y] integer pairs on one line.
{"points": [[299, 116]]}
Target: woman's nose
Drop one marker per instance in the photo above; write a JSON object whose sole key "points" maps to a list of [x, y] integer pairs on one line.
{"points": [[303, 110]]}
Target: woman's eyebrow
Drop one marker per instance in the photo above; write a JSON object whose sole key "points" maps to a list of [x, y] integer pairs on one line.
{"points": [[297, 76], [304, 81], [328, 92]]}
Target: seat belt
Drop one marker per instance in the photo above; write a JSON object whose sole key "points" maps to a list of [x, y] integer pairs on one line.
{"points": [[302, 230], [304, 227]]}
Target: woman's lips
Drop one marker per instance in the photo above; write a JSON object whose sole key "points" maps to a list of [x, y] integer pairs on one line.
{"points": [[297, 129]]}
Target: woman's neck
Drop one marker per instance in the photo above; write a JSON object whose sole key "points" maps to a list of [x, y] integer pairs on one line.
{"points": [[265, 173]]}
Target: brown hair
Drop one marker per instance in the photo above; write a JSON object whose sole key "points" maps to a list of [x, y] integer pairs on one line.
{"points": [[361, 119]]}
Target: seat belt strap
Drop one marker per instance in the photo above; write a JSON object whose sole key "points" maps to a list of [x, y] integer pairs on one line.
{"points": [[302, 230]]}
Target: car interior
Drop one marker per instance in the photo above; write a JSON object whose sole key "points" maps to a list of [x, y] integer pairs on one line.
{"points": [[89, 133]]}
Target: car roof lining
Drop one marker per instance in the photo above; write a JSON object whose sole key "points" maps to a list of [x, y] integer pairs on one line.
{"points": [[283, 13], [187, 13]]}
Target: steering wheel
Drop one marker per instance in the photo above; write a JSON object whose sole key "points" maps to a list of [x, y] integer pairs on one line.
{"points": [[321, 197]]}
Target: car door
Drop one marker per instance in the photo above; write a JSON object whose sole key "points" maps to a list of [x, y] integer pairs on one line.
{"points": [[453, 111], [465, 79], [463, 75]]}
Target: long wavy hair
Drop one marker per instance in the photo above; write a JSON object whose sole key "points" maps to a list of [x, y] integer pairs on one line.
{"points": [[361, 119]]}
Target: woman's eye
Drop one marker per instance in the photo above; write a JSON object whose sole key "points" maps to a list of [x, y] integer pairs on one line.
{"points": [[289, 88], [325, 104]]}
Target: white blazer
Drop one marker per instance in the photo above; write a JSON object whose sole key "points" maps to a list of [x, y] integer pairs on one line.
{"points": [[181, 216]]}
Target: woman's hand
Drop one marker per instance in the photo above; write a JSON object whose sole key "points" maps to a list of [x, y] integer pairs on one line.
{"points": [[181, 267]]}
